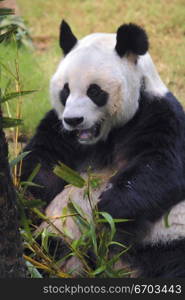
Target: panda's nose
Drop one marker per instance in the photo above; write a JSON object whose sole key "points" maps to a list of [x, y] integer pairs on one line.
{"points": [[74, 121]]}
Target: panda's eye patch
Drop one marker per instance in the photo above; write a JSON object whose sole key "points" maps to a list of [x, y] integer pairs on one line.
{"points": [[64, 94], [97, 95]]}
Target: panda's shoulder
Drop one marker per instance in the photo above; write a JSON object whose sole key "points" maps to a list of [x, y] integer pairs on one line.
{"points": [[174, 104], [158, 121], [164, 108]]}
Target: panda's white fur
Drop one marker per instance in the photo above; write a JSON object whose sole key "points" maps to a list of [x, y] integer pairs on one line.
{"points": [[169, 228], [94, 57]]}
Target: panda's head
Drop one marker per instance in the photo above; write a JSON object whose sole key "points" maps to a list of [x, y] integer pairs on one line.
{"points": [[97, 85]]}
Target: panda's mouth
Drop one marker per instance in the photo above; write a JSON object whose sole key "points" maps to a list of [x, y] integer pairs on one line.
{"points": [[86, 135]]}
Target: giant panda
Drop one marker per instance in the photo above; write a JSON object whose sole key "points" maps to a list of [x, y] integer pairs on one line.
{"points": [[112, 112]]}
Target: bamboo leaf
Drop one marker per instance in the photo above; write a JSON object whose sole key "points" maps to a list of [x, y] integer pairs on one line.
{"points": [[33, 203], [75, 244], [14, 95], [110, 220], [10, 122], [99, 270], [118, 244], [6, 11], [80, 217], [40, 214], [5, 36], [45, 267], [28, 183], [115, 220], [24, 220], [32, 176], [166, 220], [33, 270], [73, 206], [34, 172], [93, 237], [103, 245], [69, 175], [95, 182], [36, 263], [117, 257], [45, 235], [20, 157], [9, 31], [68, 233], [64, 258]]}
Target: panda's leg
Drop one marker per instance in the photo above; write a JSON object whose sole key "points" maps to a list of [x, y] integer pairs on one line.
{"points": [[160, 260]]}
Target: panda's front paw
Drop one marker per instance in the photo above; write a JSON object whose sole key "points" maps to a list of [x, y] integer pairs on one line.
{"points": [[111, 202]]}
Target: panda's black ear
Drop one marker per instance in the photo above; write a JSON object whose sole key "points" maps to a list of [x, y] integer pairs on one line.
{"points": [[67, 40], [131, 39]]}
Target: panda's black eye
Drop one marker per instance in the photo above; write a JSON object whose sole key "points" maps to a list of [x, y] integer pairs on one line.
{"points": [[64, 94], [97, 95], [93, 91]]}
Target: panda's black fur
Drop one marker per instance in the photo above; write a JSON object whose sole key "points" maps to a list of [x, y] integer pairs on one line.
{"points": [[149, 153]]}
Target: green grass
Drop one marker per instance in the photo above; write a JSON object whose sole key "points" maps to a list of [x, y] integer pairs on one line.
{"points": [[32, 77], [162, 19]]}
